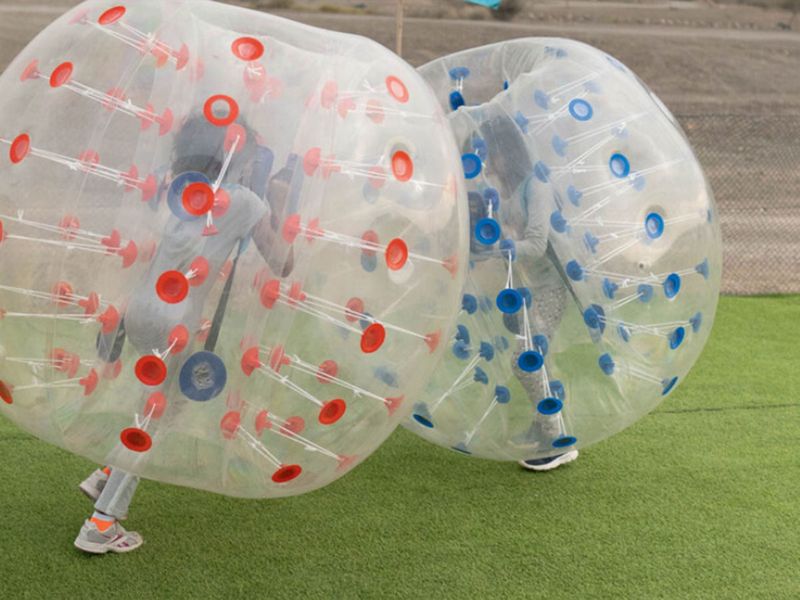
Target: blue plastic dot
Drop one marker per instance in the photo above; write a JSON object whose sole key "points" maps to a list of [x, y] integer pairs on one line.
{"points": [[492, 198], [203, 376], [542, 171], [522, 122], [527, 297], [595, 317], [509, 301], [654, 225], [703, 269], [480, 147], [486, 304], [486, 351], [422, 420], [461, 350], [459, 73], [501, 343], [462, 333], [370, 194], [487, 231], [558, 222], [559, 145], [502, 394], [480, 376], [574, 195], [638, 182], [505, 85], [530, 361], [645, 293], [696, 322], [591, 242], [580, 110], [668, 385], [422, 415], [550, 406], [565, 441], [609, 288], [387, 376], [575, 270], [369, 262], [592, 87], [456, 100], [462, 448], [472, 165], [624, 333], [672, 285], [541, 99], [607, 364], [619, 165], [557, 390], [469, 303], [676, 337], [541, 344], [508, 248]]}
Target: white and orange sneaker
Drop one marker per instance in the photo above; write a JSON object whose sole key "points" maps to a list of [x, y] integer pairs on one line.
{"points": [[102, 534]]}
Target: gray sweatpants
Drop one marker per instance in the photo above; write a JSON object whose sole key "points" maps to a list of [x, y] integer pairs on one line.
{"points": [[545, 316], [115, 499]]}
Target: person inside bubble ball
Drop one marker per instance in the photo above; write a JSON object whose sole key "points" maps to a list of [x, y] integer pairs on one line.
{"points": [[235, 156], [524, 215]]}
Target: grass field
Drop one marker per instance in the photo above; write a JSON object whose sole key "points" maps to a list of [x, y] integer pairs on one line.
{"points": [[699, 500]]}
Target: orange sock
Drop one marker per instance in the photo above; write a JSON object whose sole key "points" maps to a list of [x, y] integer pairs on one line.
{"points": [[102, 522]]}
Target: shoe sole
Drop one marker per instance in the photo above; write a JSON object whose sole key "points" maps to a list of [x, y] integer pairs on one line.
{"points": [[92, 548], [565, 460]]}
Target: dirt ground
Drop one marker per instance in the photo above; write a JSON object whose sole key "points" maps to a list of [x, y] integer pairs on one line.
{"points": [[729, 72]]}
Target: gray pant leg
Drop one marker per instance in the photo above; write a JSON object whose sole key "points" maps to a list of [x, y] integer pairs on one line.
{"points": [[116, 497], [545, 316]]}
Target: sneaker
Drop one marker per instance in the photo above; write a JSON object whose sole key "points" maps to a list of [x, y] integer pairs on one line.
{"points": [[114, 539], [549, 463], [93, 485]]}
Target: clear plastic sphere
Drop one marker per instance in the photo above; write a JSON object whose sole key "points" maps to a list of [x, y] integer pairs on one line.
{"points": [[231, 244], [595, 252]]}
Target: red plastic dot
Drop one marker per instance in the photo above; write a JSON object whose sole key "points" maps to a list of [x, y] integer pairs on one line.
{"points": [[198, 198], [397, 89], [151, 370], [149, 187], [354, 310], [313, 230], [5, 393], [248, 49], [432, 340], [155, 406], [312, 160], [112, 370], [451, 264], [182, 57], [377, 177], [136, 439], [128, 254], [112, 15], [372, 338], [296, 294], [109, 319], [89, 382], [345, 106], [250, 361], [235, 133], [61, 74], [293, 425], [20, 148], [396, 254], [232, 114], [165, 122], [270, 293], [392, 404], [200, 269], [291, 228], [370, 238], [262, 422], [112, 241], [172, 287], [31, 71], [178, 339], [402, 166], [278, 359], [90, 304], [286, 473], [327, 370], [222, 202], [62, 293], [230, 424], [332, 411], [329, 94]]}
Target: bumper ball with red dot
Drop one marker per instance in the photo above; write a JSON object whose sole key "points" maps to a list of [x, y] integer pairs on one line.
{"points": [[231, 243], [595, 252]]}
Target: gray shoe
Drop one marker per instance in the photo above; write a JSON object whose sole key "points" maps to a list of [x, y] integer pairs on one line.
{"points": [[549, 463], [114, 539], [93, 485]]}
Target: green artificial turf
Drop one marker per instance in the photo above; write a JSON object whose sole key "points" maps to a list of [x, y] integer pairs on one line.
{"points": [[699, 500]]}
